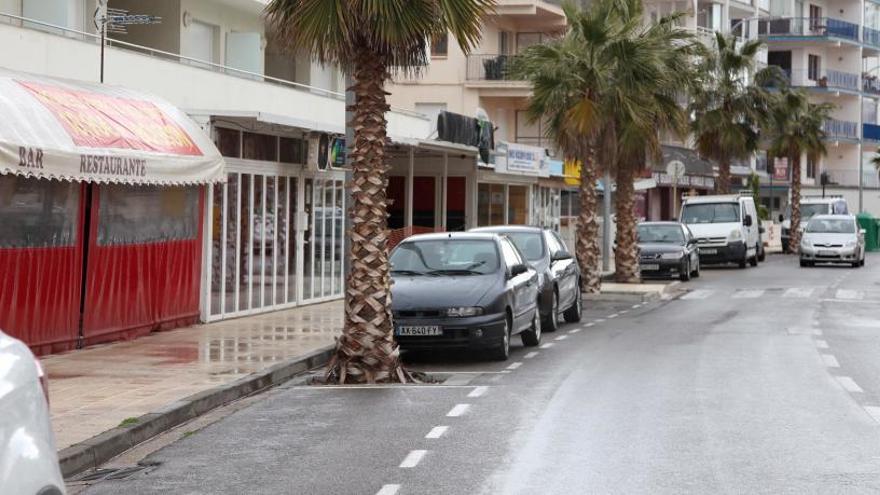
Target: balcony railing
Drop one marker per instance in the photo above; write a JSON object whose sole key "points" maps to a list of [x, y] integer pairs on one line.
{"points": [[871, 36], [850, 178], [871, 132], [841, 129], [489, 67], [808, 27], [830, 79], [870, 83]]}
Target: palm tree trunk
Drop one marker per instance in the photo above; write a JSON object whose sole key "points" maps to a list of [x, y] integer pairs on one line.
{"points": [[626, 259], [587, 243], [722, 186], [794, 243], [366, 351]]}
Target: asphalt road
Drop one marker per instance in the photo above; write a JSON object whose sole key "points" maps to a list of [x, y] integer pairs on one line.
{"points": [[763, 380]]}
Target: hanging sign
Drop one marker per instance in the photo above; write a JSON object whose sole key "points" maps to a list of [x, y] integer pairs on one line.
{"points": [[522, 159]]}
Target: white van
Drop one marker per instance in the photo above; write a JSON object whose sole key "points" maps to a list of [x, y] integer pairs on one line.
{"points": [[726, 227], [810, 206]]}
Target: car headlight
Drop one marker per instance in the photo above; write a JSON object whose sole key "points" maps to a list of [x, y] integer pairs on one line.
{"points": [[464, 311], [670, 256], [850, 244], [735, 235]]}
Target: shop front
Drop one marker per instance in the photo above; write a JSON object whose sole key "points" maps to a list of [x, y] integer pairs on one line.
{"points": [[664, 201], [101, 202], [506, 192]]}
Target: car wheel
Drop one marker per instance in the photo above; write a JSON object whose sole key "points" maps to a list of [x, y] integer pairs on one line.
{"points": [[573, 314], [753, 261], [551, 324], [742, 263], [532, 336], [856, 264], [685, 274], [762, 254], [697, 269], [804, 263], [503, 352]]}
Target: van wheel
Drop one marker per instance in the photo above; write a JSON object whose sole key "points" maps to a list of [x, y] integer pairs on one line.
{"points": [[753, 261], [742, 263]]}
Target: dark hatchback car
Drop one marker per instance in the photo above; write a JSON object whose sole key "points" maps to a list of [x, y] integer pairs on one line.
{"points": [[558, 271], [463, 291], [668, 249]]}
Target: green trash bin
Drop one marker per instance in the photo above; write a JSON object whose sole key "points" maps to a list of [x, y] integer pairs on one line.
{"points": [[872, 231]]}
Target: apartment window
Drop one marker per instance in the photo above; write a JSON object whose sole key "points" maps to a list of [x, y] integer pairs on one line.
{"points": [[440, 46], [527, 132], [813, 67], [525, 40], [259, 147], [815, 17], [503, 43], [200, 41], [293, 150], [432, 110], [228, 141], [811, 168]]}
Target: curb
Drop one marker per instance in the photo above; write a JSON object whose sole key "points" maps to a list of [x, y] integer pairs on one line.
{"points": [[634, 296], [101, 448]]}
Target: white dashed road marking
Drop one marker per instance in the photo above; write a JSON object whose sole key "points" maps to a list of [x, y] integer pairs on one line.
{"points": [[388, 490], [588, 325], [437, 432], [413, 458], [477, 392], [546, 346], [637, 306], [830, 361], [576, 330], [600, 320], [748, 293], [698, 294], [821, 344], [458, 410], [849, 294], [531, 355], [849, 384], [613, 315], [515, 365], [561, 337], [874, 411], [625, 311], [798, 292]]}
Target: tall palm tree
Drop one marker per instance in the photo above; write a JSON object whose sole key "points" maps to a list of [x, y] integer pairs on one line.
{"points": [[727, 108], [875, 160], [797, 128], [369, 39]]}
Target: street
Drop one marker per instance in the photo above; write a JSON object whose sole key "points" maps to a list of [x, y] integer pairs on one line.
{"points": [[763, 380]]}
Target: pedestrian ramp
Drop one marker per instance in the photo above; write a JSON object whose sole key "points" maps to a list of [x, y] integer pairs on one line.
{"points": [[792, 293]]}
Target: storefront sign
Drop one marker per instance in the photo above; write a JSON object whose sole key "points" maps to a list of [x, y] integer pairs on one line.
{"points": [[572, 172], [685, 180], [521, 159], [780, 169]]}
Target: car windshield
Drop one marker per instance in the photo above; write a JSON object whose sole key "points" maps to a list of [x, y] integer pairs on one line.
{"points": [[661, 233], [710, 213], [808, 211], [831, 226], [445, 256], [531, 244]]}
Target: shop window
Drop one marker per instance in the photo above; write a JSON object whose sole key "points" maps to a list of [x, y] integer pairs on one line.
{"points": [[490, 204], [517, 205], [813, 67], [811, 168], [260, 147], [440, 46], [228, 141], [38, 212], [293, 150], [145, 214]]}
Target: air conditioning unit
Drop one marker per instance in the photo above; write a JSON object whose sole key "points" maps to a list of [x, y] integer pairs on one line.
{"points": [[326, 151]]}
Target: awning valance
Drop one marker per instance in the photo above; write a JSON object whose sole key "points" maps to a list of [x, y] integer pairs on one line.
{"points": [[80, 131]]}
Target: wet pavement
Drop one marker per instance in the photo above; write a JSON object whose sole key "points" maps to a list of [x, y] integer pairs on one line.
{"points": [[95, 389]]}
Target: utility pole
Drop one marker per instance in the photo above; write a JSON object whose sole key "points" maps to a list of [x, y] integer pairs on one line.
{"points": [[606, 222]]}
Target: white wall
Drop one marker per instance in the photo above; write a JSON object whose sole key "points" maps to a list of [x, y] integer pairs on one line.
{"points": [[228, 20]]}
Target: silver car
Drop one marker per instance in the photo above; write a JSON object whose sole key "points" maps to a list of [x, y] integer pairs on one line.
{"points": [[833, 239]]}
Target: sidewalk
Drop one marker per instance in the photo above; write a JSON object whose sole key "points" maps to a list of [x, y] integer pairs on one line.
{"points": [[95, 389]]}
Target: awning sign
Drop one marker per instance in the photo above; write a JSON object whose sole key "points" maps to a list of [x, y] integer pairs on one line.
{"points": [[521, 159], [88, 132]]}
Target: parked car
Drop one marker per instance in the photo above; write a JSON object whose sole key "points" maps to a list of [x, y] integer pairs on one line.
{"points": [[463, 291], [28, 459], [668, 249], [726, 228], [833, 239], [812, 205], [558, 272]]}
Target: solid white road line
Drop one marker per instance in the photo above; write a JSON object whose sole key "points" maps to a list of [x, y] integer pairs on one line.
{"points": [[458, 410], [437, 432], [625, 311], [546, 346], [849, 384], [799, 292], [830, 361], [874, 411], [478, 391], [530, 355], [748, 293], [849, 294], [821, 344], [698, 294], [576, 330], [561, 337], [515, 365], [413, 458], [388, 490]]}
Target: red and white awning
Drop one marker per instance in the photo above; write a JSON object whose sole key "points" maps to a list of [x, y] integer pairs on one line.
{"points": [[80, 131]]}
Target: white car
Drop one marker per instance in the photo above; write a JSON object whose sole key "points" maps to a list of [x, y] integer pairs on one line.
{"points": [[833, 239], [28, 459]]}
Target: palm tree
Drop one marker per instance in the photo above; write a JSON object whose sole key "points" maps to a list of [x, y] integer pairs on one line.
{"points": [[875, 160], [727, 109], [797, 128], [369, 39]]}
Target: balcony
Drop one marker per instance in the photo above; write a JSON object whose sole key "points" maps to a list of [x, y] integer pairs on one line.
{"points": [[850, 178], [823, 80], [871, 36], [808, 27], [871, 84], [489, 67], [841, 130], [871, 132]]}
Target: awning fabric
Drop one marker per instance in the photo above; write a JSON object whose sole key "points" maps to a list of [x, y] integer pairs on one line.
{"points": [[80, 131]]}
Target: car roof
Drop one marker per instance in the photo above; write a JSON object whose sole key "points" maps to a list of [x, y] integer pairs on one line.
{"points": [[508, 228], [482, 236], [833, 217], [821, 200], [716, 198], [661, 223]]}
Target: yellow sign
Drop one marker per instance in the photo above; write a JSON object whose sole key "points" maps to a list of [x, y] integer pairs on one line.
{"points": [[572, 171]]}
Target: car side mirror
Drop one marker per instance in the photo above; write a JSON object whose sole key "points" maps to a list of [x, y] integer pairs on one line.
{"points": [[747, 221], [762, 230], [560, 256], [518, 269], [781, 218], [863, 231]]}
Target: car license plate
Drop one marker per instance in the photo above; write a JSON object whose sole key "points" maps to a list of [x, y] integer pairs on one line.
{"points": [[708, 251], [827, 253], [419, 330], [650, 267]]}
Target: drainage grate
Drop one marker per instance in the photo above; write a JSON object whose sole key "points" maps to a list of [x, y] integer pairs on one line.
{"points": [[120, 473]]}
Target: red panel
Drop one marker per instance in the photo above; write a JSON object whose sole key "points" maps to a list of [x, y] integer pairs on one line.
{"points": [[455, 200], [39, 294], [396, 192], [134, 289], [423, 193]]}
